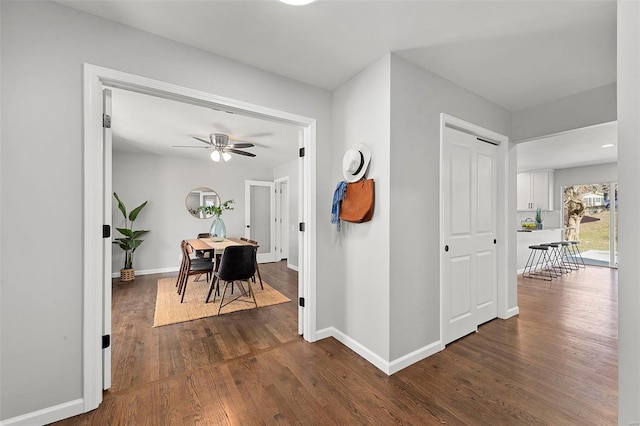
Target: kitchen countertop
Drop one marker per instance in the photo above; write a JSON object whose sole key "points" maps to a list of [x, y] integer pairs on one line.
{"points": [[543, 229]]}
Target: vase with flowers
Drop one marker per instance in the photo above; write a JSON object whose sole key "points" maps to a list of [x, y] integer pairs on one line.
{"points": [[218, 231]]}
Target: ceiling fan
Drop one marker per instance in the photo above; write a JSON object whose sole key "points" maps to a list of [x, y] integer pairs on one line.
{"points": [[221, 149]]}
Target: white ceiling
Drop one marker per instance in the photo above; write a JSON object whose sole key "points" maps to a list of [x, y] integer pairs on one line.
{"points": [[517, 54], [581, 147], [148, 124]]}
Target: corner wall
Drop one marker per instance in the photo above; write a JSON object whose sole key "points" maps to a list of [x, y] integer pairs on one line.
{"points": [[361, 309], [629, 182]]}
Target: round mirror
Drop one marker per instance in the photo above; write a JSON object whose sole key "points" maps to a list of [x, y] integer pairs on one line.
{"points": [[201, 197]]}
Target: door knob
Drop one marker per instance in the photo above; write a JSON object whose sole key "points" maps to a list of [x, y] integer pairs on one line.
{"points": [[446, 248], [248, 226]]}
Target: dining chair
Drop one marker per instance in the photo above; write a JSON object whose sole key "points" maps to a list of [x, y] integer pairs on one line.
{"points": [[256, 247], [237, 265], [190, 266], [204, 253]]}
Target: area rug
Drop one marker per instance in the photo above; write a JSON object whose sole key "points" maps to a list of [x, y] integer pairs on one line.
{"points": [[169, 310]]}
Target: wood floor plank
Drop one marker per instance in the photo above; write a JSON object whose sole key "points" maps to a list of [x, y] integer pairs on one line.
{"points": [[555, 363]]}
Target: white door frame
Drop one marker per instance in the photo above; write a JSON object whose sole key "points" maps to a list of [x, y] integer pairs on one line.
{"points": [[282, 226], [95, 78], [502, 230]]}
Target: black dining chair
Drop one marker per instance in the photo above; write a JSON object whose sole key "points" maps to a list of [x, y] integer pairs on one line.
{"points": [[237, 265]]}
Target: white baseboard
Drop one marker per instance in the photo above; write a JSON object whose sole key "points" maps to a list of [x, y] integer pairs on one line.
{"points": [[415, 356], [149, 271], [386, 367], [512, 312], [361, 350], [47, 415], [520, 271], [292, 266]]}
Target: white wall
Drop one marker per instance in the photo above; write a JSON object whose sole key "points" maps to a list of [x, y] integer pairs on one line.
{"points": [[629, 182], [361, 115], [584, 175], [44, 45], [572, 112], [165, 182], [290, 170], [417, 99]]}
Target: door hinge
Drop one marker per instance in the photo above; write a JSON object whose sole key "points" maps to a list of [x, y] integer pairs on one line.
{"points": [[106, 121], [302, 152], [106, 231], [301, 226], [301, 302], [106, 341]]}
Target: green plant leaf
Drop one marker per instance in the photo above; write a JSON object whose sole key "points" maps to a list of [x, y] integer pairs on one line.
{"points": [[126, 232], [134, 213], [121, 206]]}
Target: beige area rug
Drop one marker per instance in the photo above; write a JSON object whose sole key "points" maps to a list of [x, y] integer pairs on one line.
{"points": [[169, 310]]}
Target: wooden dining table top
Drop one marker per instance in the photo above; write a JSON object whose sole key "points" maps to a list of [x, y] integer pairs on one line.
{"points": [[218, 246]]}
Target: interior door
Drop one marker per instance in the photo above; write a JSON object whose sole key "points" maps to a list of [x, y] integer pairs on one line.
{"points": [[469, 185], [106, 258], [260, 217]]}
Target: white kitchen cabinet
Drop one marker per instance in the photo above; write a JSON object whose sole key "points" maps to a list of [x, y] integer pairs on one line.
{"points": [[535, 190]]}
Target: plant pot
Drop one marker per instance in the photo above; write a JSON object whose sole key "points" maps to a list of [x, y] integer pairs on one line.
{"points": [[127, 275], [538, 225]]}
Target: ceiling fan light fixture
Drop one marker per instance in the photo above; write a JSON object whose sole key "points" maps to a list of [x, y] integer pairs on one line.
{"points": [[226, 156], [215, 155]]}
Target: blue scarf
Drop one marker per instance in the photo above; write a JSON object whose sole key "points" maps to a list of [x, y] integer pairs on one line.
{"points": [[338, 195]]}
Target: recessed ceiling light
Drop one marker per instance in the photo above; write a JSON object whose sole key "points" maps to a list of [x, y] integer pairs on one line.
{"points": [[297, 2], [608, 145]]}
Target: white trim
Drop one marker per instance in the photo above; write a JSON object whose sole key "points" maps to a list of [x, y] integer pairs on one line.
{"points": [[292, 266], [47, 415], [415, 356], [94, 79], [502, 229], [386, 367], [150, 271], [375, 359], [511, 313]]}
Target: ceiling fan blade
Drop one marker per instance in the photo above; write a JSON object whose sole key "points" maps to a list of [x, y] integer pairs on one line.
{"points": [[191, 146], [236, 151], [202, 140], [241, 145]]}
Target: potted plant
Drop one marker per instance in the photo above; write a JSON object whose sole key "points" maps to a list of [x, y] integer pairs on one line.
{"points": [[218, 231], [538, 218], [130, 240]]}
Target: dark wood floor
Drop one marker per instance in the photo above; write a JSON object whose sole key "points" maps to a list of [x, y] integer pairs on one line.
{"points": [[556, 363]]}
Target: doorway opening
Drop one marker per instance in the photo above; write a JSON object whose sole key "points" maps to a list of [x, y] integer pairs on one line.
{"points": [[96, 79]]}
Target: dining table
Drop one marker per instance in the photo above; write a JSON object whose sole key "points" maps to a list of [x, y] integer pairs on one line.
{"points": [[216, 248]]}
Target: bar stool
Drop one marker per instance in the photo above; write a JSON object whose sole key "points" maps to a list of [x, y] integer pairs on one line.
{"points": [[565, 247], [538, 264], [556, 254], [575, 253]]}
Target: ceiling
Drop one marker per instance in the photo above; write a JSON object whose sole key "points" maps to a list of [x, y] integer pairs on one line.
{"points": [[148, 124], [581, 147], [517, 54]]}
